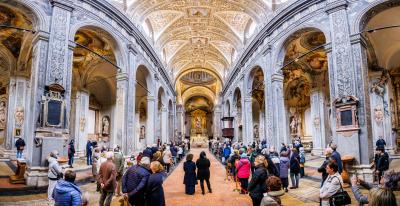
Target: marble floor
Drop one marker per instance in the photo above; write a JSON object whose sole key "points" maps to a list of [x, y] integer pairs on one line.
{"points": [[223, 190]]}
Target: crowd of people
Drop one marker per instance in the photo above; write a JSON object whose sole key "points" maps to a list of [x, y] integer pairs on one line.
{"points": [[270, 172], [261, 171], [138, 179]]}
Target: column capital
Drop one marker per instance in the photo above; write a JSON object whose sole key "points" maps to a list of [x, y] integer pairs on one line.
{"points": [[150, 98], [248, 99], [335, 5], [277, 77], [122, 76]]}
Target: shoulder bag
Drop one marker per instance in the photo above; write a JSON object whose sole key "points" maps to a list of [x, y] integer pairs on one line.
{"points": [[340, 198]]}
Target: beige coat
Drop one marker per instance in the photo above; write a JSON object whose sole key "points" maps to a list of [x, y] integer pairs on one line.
{"points": [[330, 187]]}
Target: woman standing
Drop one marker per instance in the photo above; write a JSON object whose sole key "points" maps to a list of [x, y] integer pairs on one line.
{"points": [[332, 183], [243, 168], [295, 169], [155, 190], [95, 163], [190, 175], [258, 185], [203, 171]]}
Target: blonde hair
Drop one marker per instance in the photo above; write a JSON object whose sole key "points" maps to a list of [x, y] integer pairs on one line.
{"points": [[260, 159], [157, 154], [156, 167], [381, 196]]}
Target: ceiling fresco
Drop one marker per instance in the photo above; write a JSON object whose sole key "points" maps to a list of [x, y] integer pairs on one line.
{"points": [[198, 102], [198, 33], [306, 72]]}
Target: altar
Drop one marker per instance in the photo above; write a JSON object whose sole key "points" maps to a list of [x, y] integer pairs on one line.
{"points": [[198, 131]]}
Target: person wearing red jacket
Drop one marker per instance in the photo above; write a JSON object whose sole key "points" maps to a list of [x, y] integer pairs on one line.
{"points": [[243, 167]]}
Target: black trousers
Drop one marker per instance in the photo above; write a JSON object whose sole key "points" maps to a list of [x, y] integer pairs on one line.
{"points": [[202, 184], [244, 183], [256, 201]]}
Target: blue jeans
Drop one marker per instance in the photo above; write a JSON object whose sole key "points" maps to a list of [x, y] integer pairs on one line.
{"points": [[295, 177], [19, 153], [89, 159], [71, 160]]}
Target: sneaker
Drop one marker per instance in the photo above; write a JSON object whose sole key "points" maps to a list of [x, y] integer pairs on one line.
{"points": [[286, 190], [292, 187]]}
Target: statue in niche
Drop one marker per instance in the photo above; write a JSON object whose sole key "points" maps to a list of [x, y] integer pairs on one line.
{"points": [[392, 113], [378, 112], [379, 86], [317, 122], [105, 125], [142, 134], [294, 124], [256, 132], [19, 116], [3, 117], [82, 124]]}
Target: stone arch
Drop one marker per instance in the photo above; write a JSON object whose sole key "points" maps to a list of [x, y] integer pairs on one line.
{"points": [[143, 71], [364, 15], [284, 40], [198, 91], [227, 108], [117, 43], [250, 79]]}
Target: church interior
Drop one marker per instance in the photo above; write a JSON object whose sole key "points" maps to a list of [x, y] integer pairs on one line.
{"points": [[137, 73]]}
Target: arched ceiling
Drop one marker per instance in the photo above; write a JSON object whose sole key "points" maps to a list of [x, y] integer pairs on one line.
{"points": [[198, 33]]}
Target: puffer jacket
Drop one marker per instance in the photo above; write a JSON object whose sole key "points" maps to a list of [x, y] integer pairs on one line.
{"points": [[54, 169], [67, 194], [243, 167], [135, 180], [284, 167], [258, 185], [331, 186]]}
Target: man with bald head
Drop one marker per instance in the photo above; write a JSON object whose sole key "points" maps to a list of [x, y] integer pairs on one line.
{"points": [[107, 179]]}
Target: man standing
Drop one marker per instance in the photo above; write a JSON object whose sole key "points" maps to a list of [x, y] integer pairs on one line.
{"points": [[107, 180], [134, 182], [336, 156], [119, 165], [89, 153], [20, 145], [54, 174], [381, 162]]}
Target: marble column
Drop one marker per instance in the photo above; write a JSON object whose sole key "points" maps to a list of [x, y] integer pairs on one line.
{"points": [[151, 115], [381, 116], [217, 121], [131, 118], [180, 120], [80, 116], [164, 124], [318, 118], [348, 77], [248, 123], [279, 120], [119, 129], [18, 90], [235, 124]]}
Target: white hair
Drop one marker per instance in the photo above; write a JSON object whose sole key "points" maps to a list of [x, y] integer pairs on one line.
{"points": [[145, 161], [109, 155]]}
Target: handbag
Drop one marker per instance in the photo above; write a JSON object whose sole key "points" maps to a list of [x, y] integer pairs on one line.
{"points": [[340, 198]]}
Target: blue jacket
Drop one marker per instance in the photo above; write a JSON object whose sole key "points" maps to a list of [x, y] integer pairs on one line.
{"points": [[155, 191], [135, 180], [336, 156], [67, 193], [148, 152], [227, 151], [88, 148], [174, 151], [284, 167]]}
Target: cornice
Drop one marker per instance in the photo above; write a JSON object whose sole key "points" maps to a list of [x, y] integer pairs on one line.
{"points": [[131, 29], [284, 15]]}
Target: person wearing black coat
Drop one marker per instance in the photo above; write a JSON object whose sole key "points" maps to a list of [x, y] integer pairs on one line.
{"points": [[134, 182], [203, 171], [189, 179], [20, 145], [295, 168], [71, 153], [258, 184], [155, 192]]}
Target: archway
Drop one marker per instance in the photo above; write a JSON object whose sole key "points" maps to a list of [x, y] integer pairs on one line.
{"points": [[306, 90], [15, 73], [162, 117], [171, 122], [383, 60], [94, 89], [143, 126], [199, 117], [237, 102], [256, 121]]}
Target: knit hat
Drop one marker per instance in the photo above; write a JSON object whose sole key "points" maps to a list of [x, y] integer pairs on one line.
{"points": [[244, 155]]}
